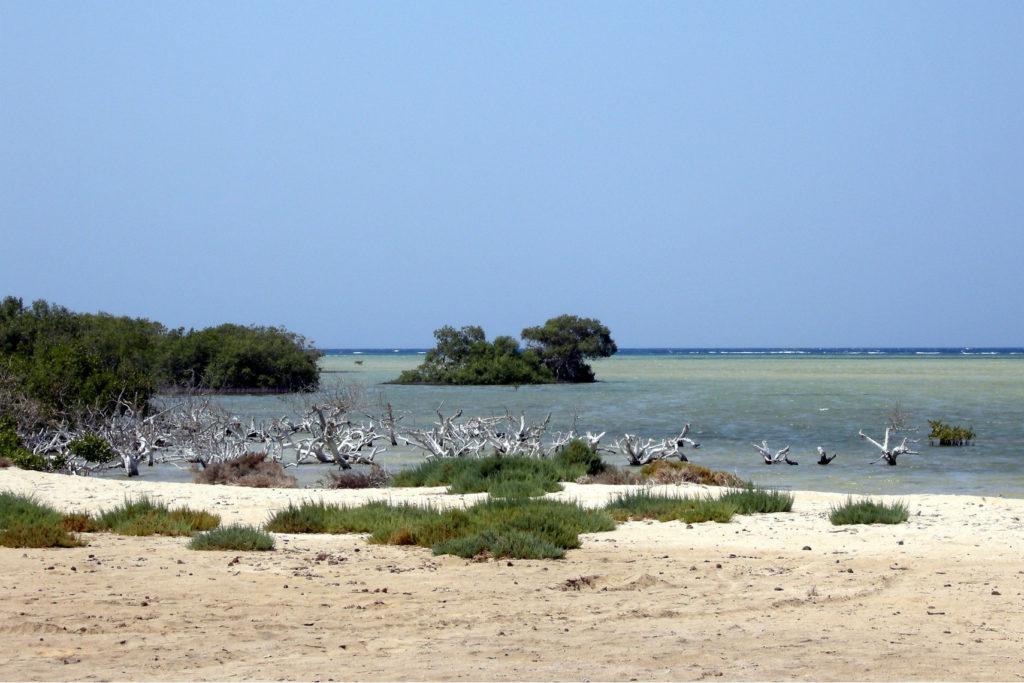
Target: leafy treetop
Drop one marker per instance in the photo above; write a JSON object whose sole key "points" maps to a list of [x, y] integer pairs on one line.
{"points": [[566, 342]]}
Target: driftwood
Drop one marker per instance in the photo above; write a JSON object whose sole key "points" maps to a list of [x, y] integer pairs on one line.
{"points": [[781, 455], [639, 451], [888, 454]]}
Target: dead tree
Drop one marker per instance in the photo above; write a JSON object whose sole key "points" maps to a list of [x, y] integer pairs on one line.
{"points": [[888, 454]]}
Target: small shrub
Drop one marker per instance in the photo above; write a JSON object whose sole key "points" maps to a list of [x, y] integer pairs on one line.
{"points": [[375, 477], [5, 463], [868, 512], [142, 517], [676, 472], [24, 523], [234, 537], [948, 435], [251, 469], [93, 448]]}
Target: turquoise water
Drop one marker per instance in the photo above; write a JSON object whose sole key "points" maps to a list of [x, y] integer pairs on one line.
{"points": [[733, 400]]}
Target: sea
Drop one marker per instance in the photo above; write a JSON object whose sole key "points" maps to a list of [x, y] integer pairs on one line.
{"points": [[733, 398]]}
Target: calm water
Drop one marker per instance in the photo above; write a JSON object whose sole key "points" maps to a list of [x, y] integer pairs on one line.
{"points": [[804, 400]]}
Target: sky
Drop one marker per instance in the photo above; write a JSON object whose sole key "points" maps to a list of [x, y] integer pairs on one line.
{"points": [[692, 174]]}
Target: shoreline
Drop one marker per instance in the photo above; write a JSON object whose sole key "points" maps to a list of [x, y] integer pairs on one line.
{"points": [[780, 596]]}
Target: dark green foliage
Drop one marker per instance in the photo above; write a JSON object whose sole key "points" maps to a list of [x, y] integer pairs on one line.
{"points": [[565, 343], [68, 363], [92, 448], [465, 357], [948, 435], [143, 517], [578, 453], [868, 512], [24, 523], [514, 528], [754, 499], [502, 477], [233, 357], [234, 537]]}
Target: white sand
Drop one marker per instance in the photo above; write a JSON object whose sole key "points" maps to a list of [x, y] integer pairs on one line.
{"points": [[784, 596]]}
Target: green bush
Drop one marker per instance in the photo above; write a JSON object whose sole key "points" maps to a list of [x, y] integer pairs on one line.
{"points": [[868, 512], [579, 454], [92, 448], [24, 523], [234, 537], [143, 517]]}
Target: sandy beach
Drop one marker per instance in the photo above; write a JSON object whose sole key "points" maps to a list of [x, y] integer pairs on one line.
{"points": [[783, 596]]}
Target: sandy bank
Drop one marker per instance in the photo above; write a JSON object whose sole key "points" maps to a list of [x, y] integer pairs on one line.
{"points": [[764, 597]]}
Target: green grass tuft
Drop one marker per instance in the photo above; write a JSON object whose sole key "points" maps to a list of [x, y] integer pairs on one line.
{"points": [[868, 512], [25, 523], [143, 517], [689, 509], [234, 537], [754, 499]]}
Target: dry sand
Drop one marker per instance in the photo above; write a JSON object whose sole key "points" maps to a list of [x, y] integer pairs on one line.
{"points": [[783, 596]]}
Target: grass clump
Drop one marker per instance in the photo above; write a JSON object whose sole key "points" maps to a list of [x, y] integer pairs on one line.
{"points": [[511, 527], [752, 500], [25, 523], [868, 512], [234, 537], [694, 509], [143, 517], [689, 509], [250, 469], [502, 477]]}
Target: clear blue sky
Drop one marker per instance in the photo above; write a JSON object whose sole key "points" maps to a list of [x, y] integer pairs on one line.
{"points": [[690, 173]]}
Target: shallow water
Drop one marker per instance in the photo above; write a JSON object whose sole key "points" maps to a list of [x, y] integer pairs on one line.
{"points": [[733, 400]]}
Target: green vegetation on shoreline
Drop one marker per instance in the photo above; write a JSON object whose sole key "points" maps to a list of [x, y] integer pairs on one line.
{"points": [[66, 362]]}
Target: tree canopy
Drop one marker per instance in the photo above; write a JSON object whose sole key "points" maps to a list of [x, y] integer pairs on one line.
{"points": [[566, 342], [466, 357], [556, 352]]}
